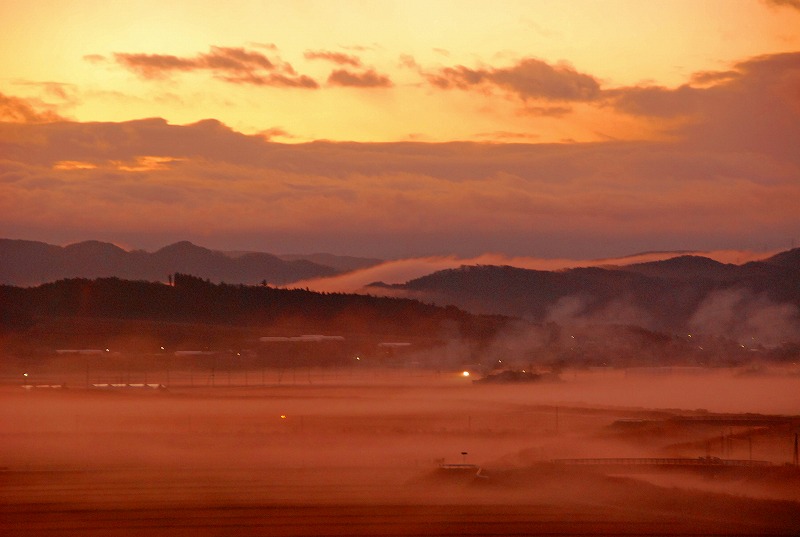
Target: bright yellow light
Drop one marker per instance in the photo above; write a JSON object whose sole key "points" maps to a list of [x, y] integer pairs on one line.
{"points": [[283, 416], [465, 374]]}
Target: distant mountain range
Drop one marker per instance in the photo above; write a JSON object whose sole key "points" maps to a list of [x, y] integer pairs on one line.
{"points": [[678, 295], [26, 263], [756, 299]]}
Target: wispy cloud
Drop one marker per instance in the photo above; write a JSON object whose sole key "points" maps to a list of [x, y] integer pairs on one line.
{"points": [[19, 110], [530, 78], [231, 64], [656, 101], [275, 132], [365, 79], [57, 90], [752, 106], [334, 57], [727, 178], [783, 3]]}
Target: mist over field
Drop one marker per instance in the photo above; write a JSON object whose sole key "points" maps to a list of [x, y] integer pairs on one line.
{"points": [[366, 445]]}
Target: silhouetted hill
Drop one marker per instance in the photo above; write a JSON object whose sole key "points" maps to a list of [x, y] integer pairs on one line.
{"points": [[27, 262], [789, 259], [89, 304], [679, 295], [539, 295], [685, 267], [32, 263], [343, 263], [151, 318]]}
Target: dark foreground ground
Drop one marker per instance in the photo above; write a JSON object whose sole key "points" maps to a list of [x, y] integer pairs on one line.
{"points": [[296, 503], [359, 456]]}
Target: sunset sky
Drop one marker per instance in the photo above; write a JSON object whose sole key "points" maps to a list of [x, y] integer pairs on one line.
{"points": [[574, 129]]}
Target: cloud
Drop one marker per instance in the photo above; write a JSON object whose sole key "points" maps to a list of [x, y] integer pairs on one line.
{"points": [[407, 61], [268, 46], [57, 90], [657, 101], [528, 79], [547, 111], [156, 65], [727, 178], [366, 79], [334, 57], [19, 110], [232, 64], [783, 3], [751, 107], [275, 132], [403, 270], [712, 77], [94, 58], [507, 135]]}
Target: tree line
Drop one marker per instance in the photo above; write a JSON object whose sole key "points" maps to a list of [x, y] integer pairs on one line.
{"points": [[191, 299]]}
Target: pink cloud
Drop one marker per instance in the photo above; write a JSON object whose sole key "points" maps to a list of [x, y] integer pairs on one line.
{"points": [[784, 3], [19, 110], [335, 57], [94, 58], [231, 64], [751, 107], [528, 79], [366, 79], [727, 179], [156, 65], [657, 101]]}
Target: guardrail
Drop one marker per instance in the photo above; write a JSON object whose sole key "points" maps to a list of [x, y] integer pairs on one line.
{"points": [[701, 461]]}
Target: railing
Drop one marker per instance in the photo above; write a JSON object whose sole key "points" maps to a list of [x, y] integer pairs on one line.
{"points": [[702, 461]]}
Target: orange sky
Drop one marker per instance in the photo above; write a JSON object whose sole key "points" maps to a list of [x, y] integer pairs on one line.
{"points": [[596, 128]]}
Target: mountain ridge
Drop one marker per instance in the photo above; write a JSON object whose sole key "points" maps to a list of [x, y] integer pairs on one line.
{"points": [[675, 295], [26, 263]]}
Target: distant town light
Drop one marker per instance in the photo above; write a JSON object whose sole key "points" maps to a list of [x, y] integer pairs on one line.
{"points": [[283, 416], [465, 374]]}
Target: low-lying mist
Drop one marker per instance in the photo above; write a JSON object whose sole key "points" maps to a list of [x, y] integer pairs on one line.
{"points": [[403, 270], [370, 418], [375, 437]]}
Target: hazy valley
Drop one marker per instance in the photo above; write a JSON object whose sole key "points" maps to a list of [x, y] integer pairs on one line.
{"points": [[655, 398]]}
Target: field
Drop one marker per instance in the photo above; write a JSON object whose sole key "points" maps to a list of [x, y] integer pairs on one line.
{"points": [[358, 452]]}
